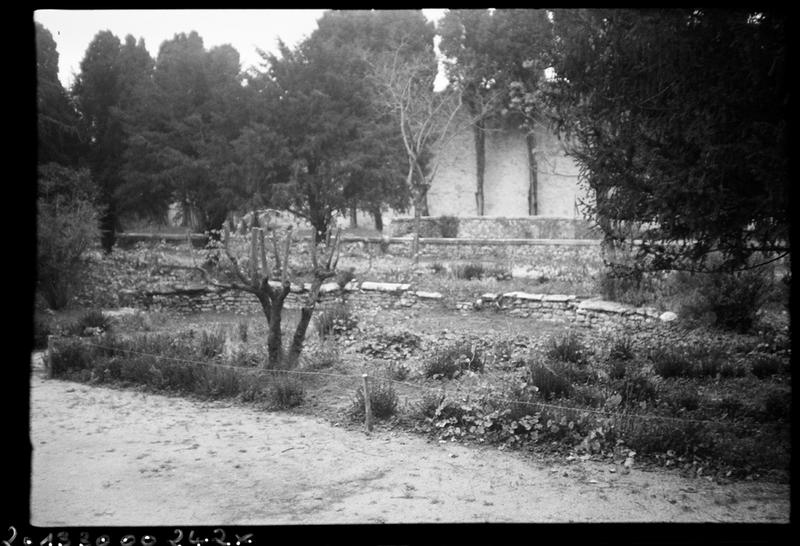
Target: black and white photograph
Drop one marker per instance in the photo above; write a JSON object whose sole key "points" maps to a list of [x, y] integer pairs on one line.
{"points": [[302, 267]]}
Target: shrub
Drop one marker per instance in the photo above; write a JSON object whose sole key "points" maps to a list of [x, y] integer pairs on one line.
{"points": [[41, 329], [89, 320], [242, 328], [286, 392], [777, 405], [67, 226], [548, 381], [438, 267], [469, 271], [764, 365], [325, 356], [621, 348], [685, 399], [727, 300], [70, 355], [429, 403], [454, 359], [382, 398], [630, 286], [617, 369], [398, 372], [567, 348], [344, 277], [211, 344], [335, 320], [670, 362], [636, 388], [448, 225]]}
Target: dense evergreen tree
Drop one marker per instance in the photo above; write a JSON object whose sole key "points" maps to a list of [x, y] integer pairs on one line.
{"points": [[678, 119], [59, 139]]}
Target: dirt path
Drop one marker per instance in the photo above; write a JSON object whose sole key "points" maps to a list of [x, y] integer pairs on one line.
{"points": [[106, 457]]}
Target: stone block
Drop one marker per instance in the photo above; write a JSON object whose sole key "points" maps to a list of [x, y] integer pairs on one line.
{"points": [[429, 295]]}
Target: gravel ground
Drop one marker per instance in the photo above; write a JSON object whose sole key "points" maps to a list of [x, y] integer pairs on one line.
{"points": [[108, 457]]}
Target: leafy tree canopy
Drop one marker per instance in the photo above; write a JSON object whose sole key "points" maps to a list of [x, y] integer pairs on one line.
{"points": [[678, 119]]}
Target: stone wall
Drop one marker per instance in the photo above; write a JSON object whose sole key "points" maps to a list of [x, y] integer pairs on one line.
{"points": [[488, 227], [373, 295], [506, 175]]}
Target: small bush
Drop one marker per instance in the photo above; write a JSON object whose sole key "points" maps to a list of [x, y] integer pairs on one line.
{"points": [[398, 372], [617, 369], [629, 286], [211, 344], [429, 403], [727, 300], [70, 355], [777, 405], [242, 328], [286, 392], [688, 400], [92, 320], [635, 388], [448, 225], [671, 362], [41, 329], [335, 320], [345, 276], [469, 271], [455, 359], [382, 398], [764, 365], [621, 348], [322, 357], [567, 348], [548, 381]]}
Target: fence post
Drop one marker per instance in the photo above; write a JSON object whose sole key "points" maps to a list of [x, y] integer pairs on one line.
{"points": [[48, 356], [367, 404]]}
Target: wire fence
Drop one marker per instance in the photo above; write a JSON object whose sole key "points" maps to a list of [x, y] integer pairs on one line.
{"points": [[441, 390]]}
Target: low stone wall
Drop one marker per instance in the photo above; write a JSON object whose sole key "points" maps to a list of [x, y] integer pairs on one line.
{"points": [[496, 227], [374, 295]]}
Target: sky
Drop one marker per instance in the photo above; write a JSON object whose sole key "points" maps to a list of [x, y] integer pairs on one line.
{"points": [[245, 30]]}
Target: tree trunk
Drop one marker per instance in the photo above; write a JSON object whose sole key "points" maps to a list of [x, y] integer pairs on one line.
{"points": [[376, 213], [353, 217], [300, 335], [533, 183], [417, 229], [274, 339], [480, 164]]}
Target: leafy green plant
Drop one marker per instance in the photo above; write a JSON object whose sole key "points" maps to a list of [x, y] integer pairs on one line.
{"points": [[322, 357], [390, 346], [398, 371], [91, 321], [242, 328], [621, 348], [382, 398], [763, 365], [670, 362], [469, 271], [548, 381], [454, 359], [286, 392], [335, 320], [727, 300], [568, 347], [42, 328], [211, 344]]}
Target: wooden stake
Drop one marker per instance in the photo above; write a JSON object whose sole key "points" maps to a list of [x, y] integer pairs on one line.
{"points": [[48, 357], [367, 404]]}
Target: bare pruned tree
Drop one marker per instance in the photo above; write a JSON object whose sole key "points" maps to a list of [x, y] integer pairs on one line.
{"points": [[252, 271], [426, 118]]}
